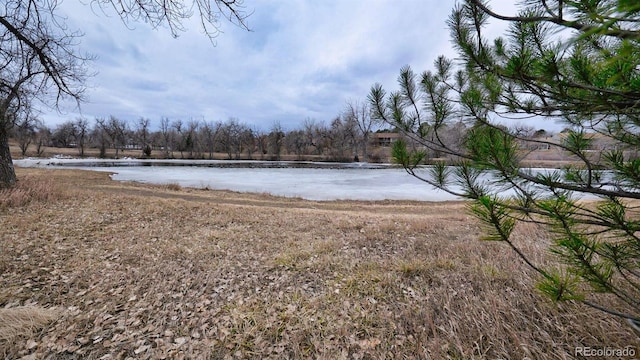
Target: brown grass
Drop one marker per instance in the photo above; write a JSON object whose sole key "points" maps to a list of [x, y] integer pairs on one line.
{"points": [[24, 321], [30, 189], [148, 272], [174, 187]]}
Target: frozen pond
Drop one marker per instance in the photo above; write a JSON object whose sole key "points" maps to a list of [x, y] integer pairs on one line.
{"points": [[313, 181]]}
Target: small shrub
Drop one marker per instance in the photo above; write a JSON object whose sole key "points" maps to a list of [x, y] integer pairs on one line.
{"points": [[174, 187], [147, 151]]}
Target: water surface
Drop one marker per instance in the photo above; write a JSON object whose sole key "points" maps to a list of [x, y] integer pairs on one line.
{"points": [[307, 180]]}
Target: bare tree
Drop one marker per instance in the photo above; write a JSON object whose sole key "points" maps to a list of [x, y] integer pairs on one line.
{"points": [[360, 113], [191, 139], [318, 134], [351, 136], [142, 134], [116, 131], [178, 137], [208, 135], [100, 136], [63, 135], [230, 138], [308, 127], [25, 130], [172, 13], [80, 133], [276, 139], [167, 134], [296, 143], [248, 141], [342, 139], [262, 142], [42, 138], [39, 55]]}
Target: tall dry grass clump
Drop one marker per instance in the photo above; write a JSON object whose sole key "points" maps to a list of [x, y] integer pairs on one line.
{"points": [[29, 189], [174, 187], [23, 321]]}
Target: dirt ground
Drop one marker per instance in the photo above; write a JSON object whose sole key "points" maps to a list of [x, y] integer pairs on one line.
{"points": [[96, 269]]}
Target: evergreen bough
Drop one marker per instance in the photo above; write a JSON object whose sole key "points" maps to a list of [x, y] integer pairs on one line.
{"points": [[576, 62]]}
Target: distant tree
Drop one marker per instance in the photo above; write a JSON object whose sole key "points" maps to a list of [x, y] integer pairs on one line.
{"points": [[310, 129], [100, 137], [24, 135], [248, 141], [342, 138], [296, 143], [167, 137], [523, 131], [143, 135], [208, 135], [26, 125], [230, 138], [334, 139], [276, 139], [116, 131], [178, 138], [63, 135], [360, 113], [191, 139], [351, 136], [80, 134], [42, 138], [320, 136], [540, 133], [262, 142], [574, 62]]}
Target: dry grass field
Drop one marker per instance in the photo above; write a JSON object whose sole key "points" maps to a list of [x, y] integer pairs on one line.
{"points": [[96, 269]]}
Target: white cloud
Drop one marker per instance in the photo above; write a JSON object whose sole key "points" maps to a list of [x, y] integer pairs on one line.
{"points": [[302, 59]]}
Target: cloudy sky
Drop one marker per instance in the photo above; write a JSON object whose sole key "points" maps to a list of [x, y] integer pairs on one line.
{"points": [[301, 60]]}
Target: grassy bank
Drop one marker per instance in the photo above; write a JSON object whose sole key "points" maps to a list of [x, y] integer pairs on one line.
{"points": [[91, 268]]}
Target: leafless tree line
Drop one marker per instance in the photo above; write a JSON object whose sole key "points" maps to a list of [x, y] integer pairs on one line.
{"points": [[348, 137], [343, 139]]}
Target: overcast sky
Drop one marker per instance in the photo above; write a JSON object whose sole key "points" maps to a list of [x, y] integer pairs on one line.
{"points": [[301, 60]]}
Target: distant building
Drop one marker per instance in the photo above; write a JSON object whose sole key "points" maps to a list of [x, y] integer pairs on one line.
{"points": [[385, 139]]}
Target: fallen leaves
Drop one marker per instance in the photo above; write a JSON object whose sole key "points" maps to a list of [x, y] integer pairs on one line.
{"points": [[199, 274]]}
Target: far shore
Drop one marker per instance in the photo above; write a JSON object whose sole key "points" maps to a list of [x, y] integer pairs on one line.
{"points": [[536, 159]]}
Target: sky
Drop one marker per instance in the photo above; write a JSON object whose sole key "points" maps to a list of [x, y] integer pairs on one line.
{"points": [[301, 60]]}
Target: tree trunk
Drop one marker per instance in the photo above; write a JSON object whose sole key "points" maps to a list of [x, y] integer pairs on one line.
{"points": [[365, 156], [7, 172]]}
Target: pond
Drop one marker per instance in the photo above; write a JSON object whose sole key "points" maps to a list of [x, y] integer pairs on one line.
{"points": [[307, 180]]}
